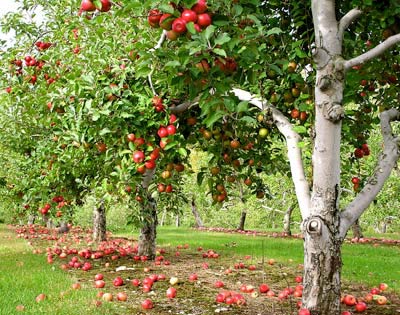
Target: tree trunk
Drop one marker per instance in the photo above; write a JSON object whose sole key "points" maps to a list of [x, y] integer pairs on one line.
{"points": [[63, 227], [148, 231], [196, 214], [357, 232], [242, 220], [31, 219], [99, 223], [163, 218], [287, 220], [322, 268], [177, 221]]}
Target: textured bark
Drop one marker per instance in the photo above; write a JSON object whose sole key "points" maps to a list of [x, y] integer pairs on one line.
{"points": [[99, 223], [31, 219], [357, 232], [148, 231], [287, 220], [63, 227], [242, 220], [196, 214]]}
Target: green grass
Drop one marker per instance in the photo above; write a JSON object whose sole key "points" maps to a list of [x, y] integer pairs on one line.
{"points": [[361, 263], [24, 275]]}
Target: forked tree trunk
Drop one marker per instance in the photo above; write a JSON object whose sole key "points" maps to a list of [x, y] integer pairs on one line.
{"points": [[196, 214], [357, 232], [99, 223], [148, 231], [287, 220], [242, 220]]}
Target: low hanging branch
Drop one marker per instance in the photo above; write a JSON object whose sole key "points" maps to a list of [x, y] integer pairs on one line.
{"points": [[374, 52], [302, 187], [157, 46], [346, 20], [385, 164]]}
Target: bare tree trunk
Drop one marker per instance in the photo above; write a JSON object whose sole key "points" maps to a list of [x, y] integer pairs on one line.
{"points": [[99, 223], [177, 221], [163, 217], [50, 224], [197, 218], [31, 219], [287, 220], [148, 231], [357, 232], [63, 227], [242, 220]]}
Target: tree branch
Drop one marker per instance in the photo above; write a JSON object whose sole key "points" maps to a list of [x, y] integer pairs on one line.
{"points": [[302, 187], [385, 164], [346, 20], [157, 46], [184, 106], [374, 52]]}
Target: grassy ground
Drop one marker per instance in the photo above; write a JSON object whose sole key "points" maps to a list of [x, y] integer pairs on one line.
{"points": [[24, 275], [362, 263]]}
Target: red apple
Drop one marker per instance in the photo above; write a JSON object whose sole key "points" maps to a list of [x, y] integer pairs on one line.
{"points": [[118, 281], [383, 286], [349, 300], [154, 17], [171, 293], [304, 311], [107, 297], [138, 156], [179, 25], [105, 6], [360, 307], [122, 296], [166, 21], [147, 304], [171, 130], [204, 20], [200, 7], [189, 16], [99, 284], [264, 288], [87, 5]]}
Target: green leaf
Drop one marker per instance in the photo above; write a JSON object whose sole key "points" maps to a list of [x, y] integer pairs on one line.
{"points": [[275, 30], [209, 32], [173, 64], [300, 129], [182, 152], [243, 107], [222, 39], [214, 117], [104, 131], [219, 51], [200, 178]]}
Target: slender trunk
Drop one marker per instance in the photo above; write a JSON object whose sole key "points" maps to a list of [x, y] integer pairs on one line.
{"points": [[31, 219], [357, 232], [177, 221], [242, 220], [99, 223], [196, 214], [63, 227], [287, 220], [148, 231], [163, 218]]}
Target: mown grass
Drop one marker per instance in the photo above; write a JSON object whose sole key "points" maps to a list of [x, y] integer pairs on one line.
{"points": [[362, 263], [24, 275]]}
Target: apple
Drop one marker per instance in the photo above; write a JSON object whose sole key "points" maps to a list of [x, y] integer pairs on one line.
{"points": [[150, 164], [135, 282], [138, 156], [193, 277], [87, 5], [381, 300], [263, 132], [171, 293], [263, 288], [162, 132], [304, 311], [107, 297], [147, 304], [346, 313], [99, 284], [358, 153], [179, 25], [40, 297], [349, 300], [173, 280], [204, 20], [360, 307], [172, 35], [105, 6], [200, 7], [189, 16], [131, 137], [76, 286], [218, 284], [375, 291], [383, 286], [118, 281], [166, 21], [122, 296], [154, 17], [171, 130]]}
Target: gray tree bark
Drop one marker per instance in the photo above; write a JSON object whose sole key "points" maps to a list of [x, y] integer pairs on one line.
{"points": [[148, 231], [357, 232], [99, 223], [196, 214], [287, 220]]}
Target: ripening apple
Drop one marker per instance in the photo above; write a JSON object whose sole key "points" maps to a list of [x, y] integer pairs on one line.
{"points": [[147, 304], [200, 7], [87, 5], [122, 296], [171, 293], [138, 156], [360, 307], [105, 6], [154, 17], [189, 16], [179, 25], [204, 20]]}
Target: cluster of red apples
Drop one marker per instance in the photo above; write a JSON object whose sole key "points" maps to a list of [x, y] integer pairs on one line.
{"points": [[90, 6], [177, 25]]}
